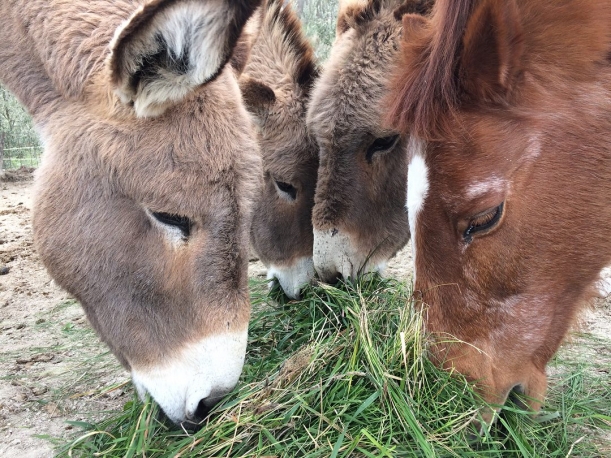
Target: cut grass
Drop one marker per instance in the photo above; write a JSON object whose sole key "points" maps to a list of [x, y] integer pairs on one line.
{"points": [[343, 372]]}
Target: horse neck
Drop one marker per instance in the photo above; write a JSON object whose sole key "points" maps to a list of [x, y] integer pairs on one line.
{"points": [[565, 40]]}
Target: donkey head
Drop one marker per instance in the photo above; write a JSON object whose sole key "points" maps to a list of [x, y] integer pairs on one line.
{"points": [[276, 88], [507, 112], [359, 217], [143, 194]]}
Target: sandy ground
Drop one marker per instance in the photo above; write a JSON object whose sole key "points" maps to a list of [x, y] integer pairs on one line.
{"points": [[51, 368]]}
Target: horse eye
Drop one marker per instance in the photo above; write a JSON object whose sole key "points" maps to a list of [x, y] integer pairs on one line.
{"points": [[287, 189], [483, 222], [181, 222], [381, 144]]}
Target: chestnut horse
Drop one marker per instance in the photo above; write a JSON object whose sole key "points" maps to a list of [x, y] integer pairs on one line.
{"points": [[143, 196], [276, 87], [508, 108], [359, 216]]}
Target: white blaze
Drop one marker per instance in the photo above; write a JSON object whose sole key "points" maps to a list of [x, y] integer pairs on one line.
{"points": [[417, 188], [206, 370]]}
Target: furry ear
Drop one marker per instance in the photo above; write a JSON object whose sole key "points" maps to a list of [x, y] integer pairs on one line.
{"points": [[250, 33], [257, 96], [490, 63], [419, 7], [169, 47], [348, 9]]}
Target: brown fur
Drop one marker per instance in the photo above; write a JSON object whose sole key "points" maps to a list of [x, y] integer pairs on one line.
{"points": [[362, 202], [103, 167], [530, 112], [275, 86]]}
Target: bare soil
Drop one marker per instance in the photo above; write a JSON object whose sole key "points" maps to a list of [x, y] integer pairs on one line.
{"points": [[52, 368]]}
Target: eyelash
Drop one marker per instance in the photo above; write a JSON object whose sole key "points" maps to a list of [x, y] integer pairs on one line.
{"points": [[287, 188], [483, 222], [181, 222], [381, 144]]}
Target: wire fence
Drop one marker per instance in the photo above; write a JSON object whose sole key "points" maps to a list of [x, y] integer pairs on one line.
{"points": [[19, 143], [27, 156]]}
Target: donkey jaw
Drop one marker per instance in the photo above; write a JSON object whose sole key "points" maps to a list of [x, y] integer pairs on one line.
{"points": [[336, 255], [201, 372], [292, 278]]}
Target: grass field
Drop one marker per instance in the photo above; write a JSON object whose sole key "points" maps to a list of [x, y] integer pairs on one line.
{"points": [[344, 372]]}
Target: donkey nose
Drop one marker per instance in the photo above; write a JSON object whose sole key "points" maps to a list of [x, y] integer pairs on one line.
{"points": [[194, 417], [332, 276]]}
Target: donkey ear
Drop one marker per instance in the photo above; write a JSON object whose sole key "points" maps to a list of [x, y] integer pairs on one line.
{"points": [[491, 60], [347, 10], [169, 47], [257, 96], [419, 7], [242, 49]]}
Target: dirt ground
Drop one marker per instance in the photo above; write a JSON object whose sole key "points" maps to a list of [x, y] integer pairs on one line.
{"points": [[52, 369]]}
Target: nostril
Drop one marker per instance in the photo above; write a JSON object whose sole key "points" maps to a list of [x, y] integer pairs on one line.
{"points": [[202, 410], [334, 278], [195, 418]]}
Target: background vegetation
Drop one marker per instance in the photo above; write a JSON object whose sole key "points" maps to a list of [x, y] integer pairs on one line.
{"points": [[19, 144]]}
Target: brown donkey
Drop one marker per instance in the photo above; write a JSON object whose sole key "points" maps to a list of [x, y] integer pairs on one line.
{"points": [[359, 216], [142, 198], [276, 87], [508, 105]]}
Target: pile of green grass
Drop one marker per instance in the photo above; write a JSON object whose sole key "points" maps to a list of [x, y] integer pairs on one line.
{"points": [[343, 373]]}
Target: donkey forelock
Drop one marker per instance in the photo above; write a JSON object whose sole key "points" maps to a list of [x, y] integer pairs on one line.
{"points": [[276, 87], [143, 220], [516, 158]]}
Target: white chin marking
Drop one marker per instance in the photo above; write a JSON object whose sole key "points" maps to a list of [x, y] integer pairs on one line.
{"points": [[417, 188], [294, 277], [206, 370], [334, 253]]}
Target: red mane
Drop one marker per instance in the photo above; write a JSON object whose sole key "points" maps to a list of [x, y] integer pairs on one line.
{"points": [[424, 86]]}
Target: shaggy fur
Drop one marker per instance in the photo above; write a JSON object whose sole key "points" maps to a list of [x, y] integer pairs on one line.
{"points": [[359, 199], [523, 121], [276, 86], [105, 171]]}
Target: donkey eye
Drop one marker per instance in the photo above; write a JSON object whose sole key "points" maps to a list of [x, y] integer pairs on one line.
{"points": [[180, 222], [286, 188], [482, 223], [381, 144]]}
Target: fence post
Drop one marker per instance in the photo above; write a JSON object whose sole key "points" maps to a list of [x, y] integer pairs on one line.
{"points": [[1, 154]]}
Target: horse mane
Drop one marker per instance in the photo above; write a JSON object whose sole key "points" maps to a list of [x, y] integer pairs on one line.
{"points": [[283, 36], [424, 89]]}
